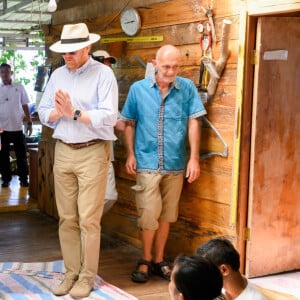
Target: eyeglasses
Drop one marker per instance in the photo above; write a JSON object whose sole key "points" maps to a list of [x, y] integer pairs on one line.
{"points": [[168, 68], [71, 53]]}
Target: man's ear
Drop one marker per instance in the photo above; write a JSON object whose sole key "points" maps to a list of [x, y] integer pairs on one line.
{"points": [[180, 296], [224, 270], [154, 62]]}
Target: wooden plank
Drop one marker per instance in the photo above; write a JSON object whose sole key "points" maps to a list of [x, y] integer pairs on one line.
{"points": [[190, 53], [203, 211], [153, 16], [263, 7], [212, 143], [178, 34], [183, 11], [211, 186], [187, 236], [220, 116]]}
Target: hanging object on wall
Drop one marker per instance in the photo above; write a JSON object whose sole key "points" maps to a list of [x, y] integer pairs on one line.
{"points": [[224, 153], [207, 39], [206, 47], [134, 39], [52, 6], [218, 65], [130, 21], [209, 14]]}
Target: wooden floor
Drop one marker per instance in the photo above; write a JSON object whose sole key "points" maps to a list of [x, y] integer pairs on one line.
{"points": [[27, 235], [30, 236]]}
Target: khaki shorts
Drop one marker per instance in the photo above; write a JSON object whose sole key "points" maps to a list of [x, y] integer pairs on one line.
{"points": [[158, 198]]}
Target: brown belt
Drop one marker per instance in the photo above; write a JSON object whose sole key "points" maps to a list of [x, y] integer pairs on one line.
{"points": [[82, 145]]}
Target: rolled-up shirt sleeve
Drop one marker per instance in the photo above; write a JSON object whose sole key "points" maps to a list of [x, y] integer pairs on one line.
{"points": [[106, 113]]}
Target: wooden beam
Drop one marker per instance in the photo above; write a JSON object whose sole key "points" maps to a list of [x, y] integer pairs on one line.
{"points": [[265, 7], [22, 48], [13, 8], [19, 36], [23, 22]]}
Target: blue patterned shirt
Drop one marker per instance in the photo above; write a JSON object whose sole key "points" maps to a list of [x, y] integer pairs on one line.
{"points": [[161, 125]]}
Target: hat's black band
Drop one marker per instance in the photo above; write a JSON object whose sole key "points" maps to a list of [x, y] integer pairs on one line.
{"points": [[72, 41]]}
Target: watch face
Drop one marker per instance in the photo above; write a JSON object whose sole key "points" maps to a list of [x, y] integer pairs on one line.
{"points": [[130, 21]]}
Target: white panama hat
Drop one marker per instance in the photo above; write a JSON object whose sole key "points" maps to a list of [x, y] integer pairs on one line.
{"points": [[74, 37], [104, 54]]}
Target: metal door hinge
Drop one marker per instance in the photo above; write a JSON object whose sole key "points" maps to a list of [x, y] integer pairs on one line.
{"points": [[246, 234], [253, 57]]}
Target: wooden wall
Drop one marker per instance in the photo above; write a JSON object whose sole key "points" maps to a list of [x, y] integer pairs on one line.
{"points": [[206, 204]]}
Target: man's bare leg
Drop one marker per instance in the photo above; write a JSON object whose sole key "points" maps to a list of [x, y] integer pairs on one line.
{"points": [[160, 241], [147, 237]]}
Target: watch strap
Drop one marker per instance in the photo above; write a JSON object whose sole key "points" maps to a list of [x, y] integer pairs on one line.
{"points": [[77, 113]]}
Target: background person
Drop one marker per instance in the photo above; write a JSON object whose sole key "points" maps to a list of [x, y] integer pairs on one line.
{"points": [[223, 254], [104, 57], [194, 278], [111, 194], [13, 107], [80, 103], [161, 113]]}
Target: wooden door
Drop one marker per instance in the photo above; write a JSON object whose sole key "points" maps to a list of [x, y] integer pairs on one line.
{"points": [[274, 187]]}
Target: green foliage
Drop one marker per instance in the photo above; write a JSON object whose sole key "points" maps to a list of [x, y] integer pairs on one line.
{"points": [[19, 63]]}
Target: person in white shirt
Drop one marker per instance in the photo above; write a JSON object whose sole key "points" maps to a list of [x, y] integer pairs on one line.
{"points": [[80, 103], [13, 108], [111, 194], [223, 254]]}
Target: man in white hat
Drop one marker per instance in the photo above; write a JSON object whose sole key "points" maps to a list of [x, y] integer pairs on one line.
{"points": [[80, 103], [104, 57]]}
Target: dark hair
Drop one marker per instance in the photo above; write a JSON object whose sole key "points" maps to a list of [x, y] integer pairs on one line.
{"points": [[197, 278], [220, 251], [98, 58], [4, 65]]}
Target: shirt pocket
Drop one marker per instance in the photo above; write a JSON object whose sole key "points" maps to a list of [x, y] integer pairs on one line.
{"points": [[176, 108]]}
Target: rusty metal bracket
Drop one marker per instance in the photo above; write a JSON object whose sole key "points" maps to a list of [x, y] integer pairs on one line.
{"points": [[214, 153]]}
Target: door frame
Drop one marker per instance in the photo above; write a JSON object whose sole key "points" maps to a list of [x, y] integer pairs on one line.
{"points": [[250, 12]]}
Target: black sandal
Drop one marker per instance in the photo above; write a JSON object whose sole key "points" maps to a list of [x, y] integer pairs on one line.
{"points": [[162, 269], [140, 276]]}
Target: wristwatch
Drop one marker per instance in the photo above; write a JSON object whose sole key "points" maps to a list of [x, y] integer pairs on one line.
{"points": [[77, 113]]}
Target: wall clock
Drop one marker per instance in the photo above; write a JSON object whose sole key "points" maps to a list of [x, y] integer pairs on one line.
{"points": [[130, 21]]}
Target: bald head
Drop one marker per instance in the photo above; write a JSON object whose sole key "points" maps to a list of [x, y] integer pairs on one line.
{"points": [[168, 51], [167, 64]]}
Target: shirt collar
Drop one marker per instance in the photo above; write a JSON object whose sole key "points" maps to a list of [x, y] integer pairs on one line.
{"points": [[11, 84]]}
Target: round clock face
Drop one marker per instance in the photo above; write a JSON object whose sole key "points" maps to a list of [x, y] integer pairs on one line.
{"points": [[130, 21]]}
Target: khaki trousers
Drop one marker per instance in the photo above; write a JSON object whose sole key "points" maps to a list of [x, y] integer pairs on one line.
{"points": [[80, 177]]}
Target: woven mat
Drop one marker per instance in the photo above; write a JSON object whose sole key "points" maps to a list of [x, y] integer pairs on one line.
{"points": [[34, 281], [288, 283]]}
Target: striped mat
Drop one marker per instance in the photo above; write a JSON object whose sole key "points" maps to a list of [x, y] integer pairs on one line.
{"points": [[287, 283], [34, 281]]}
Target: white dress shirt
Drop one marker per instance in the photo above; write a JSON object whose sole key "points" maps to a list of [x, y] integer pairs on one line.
{"points": [[93, 88], [12, 99]]}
